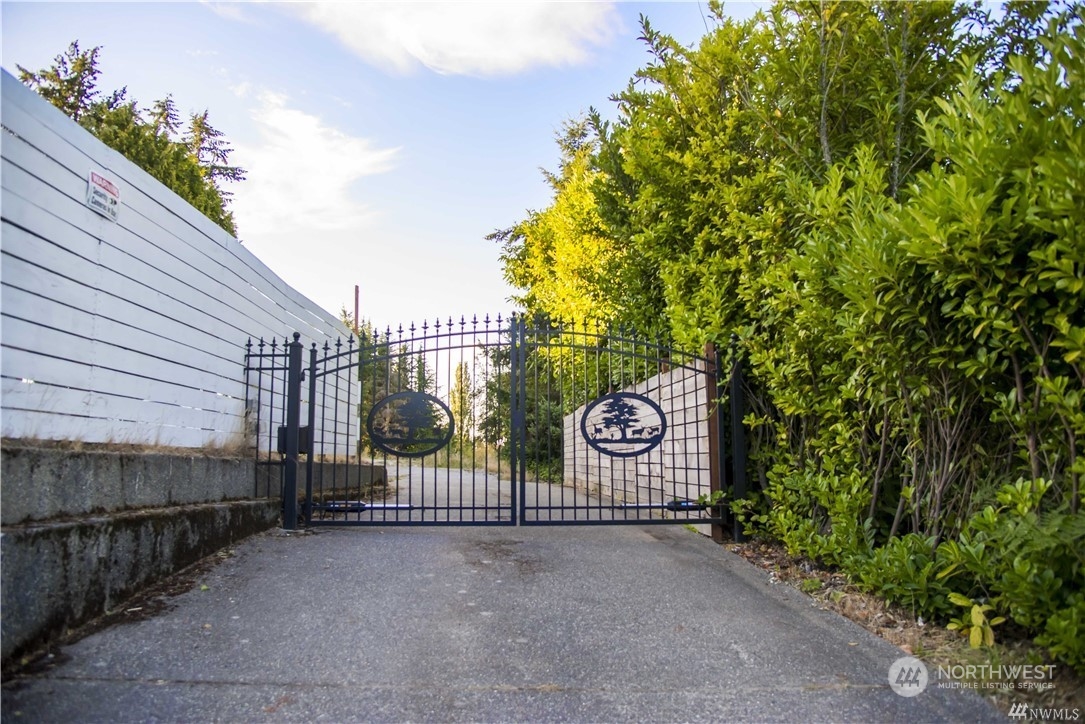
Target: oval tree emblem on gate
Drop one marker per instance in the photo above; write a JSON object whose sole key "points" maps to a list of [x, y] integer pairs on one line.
{"points": [[410, 424], [623, 424]]}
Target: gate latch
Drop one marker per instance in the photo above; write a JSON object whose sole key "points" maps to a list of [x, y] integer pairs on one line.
{"points": [[680, 505], [304, 440]]}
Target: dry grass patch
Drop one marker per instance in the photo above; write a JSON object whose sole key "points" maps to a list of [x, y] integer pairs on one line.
{"points": [[224, 450]]}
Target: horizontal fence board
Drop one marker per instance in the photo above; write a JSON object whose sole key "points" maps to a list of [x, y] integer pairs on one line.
{"points": [[128, 255], [186, 285], [57, 178], [37, 365], [84, 354], [109, 288], [37, 425], [36, 121], [105, 406], [28, 286], [21, 334], [266, 282], [191, 288], [303, 316], [21, 275], [21, 211], [166, 295], [48, 398], [30, 365], [24, 334], [124, 336]]}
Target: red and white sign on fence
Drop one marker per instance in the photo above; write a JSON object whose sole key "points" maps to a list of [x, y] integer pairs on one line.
{"points": [[103, 195]]}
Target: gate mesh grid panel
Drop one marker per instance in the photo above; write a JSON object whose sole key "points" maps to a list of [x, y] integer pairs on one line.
{"points": [[410, 391], [265, 410], [634, 443]]}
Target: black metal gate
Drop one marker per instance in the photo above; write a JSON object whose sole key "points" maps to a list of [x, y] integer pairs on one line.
{"points": [[493, 422]]}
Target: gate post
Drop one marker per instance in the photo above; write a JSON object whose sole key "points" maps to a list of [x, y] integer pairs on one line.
{"points": [[308, 512], [738, 434], [714, 391], [293, 425], [517, 438]]}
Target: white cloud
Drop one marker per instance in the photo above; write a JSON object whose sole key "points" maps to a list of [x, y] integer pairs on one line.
{"points": [[299, 173], [467, 38], [227, 10]]}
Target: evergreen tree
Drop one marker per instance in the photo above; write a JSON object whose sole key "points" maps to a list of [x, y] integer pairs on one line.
{"points": [[164, 117], [209, 146], [561, 256], [71, 84], [496, 413], [462, 400], [192, 169]]}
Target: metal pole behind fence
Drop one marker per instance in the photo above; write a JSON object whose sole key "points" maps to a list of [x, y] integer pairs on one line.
{"points": [[738, 434], [516, 424], [714, 389], [308, 510]]}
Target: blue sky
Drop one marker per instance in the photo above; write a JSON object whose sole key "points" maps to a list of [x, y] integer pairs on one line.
{"points": [[382, 141]]}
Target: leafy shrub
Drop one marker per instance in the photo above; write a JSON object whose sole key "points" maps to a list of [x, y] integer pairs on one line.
{"points": [[974, 621], [899, 252], [1029, 565], [1064, 634], [905, 571], [835, 531], [752, 513]]}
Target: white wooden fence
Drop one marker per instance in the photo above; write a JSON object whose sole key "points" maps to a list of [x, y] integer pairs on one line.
{"points": [[679, 468], [125, 331]]}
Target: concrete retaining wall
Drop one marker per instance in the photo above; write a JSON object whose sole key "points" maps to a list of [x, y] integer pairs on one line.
{"points": [[82, 531], [56, 576], [43, 484], [329, 479]]}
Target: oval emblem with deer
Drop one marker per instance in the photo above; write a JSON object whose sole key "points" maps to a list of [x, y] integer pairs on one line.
{"points": [[623, 424]]}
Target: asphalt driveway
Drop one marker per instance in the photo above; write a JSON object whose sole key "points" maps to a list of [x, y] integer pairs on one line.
{"points": [[593, 624]]}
